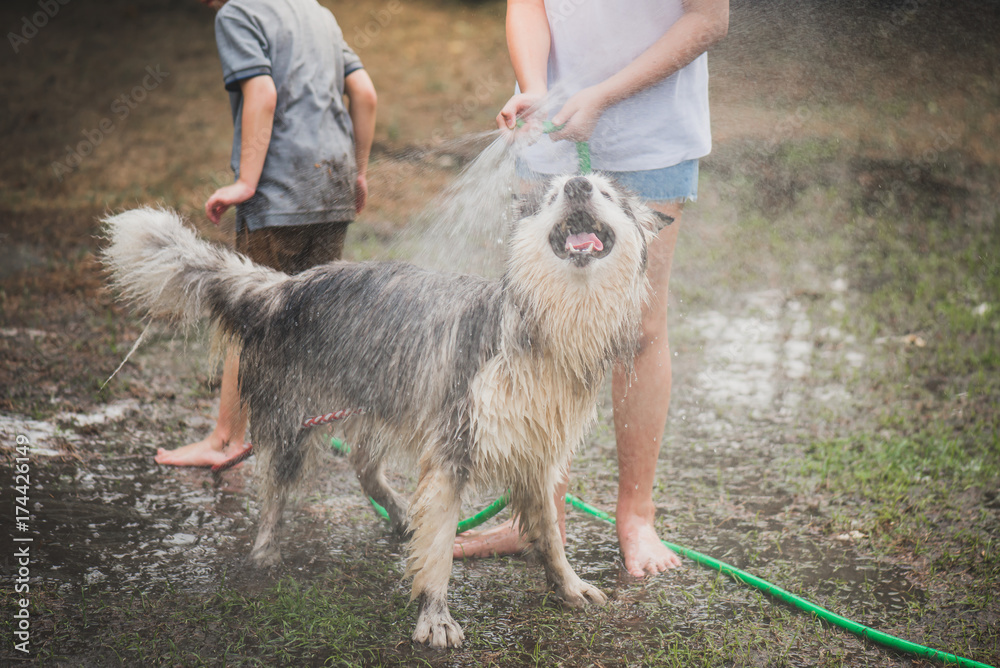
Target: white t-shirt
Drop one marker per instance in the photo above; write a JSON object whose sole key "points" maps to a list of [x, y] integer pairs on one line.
{"points": [[658, 127]]}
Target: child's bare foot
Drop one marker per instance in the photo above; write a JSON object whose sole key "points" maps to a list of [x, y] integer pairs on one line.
{"points": [[210, 451], [500, 540], [642, 549]]}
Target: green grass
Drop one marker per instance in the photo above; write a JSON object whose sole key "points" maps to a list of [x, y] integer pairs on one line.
{"points": [[343, 619], [918, 475], [893, 476]]}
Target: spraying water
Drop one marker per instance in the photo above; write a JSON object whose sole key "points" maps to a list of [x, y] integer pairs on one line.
{"points": [[464, 227]]}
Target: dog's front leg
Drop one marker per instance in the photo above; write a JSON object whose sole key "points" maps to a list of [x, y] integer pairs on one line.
{"points": [[539, 516], [434, 515]]}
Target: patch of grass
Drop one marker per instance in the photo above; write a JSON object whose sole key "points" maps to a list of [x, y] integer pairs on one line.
{"points": [[357, 614], [337, 621], [919, 476], [929, 280], [903, 473]]}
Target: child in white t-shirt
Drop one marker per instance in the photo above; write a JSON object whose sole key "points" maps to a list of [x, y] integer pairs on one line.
{"points": [[631, 78]]}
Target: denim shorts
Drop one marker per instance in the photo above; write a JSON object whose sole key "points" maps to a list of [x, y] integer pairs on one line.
{"points": [[678, 183]]}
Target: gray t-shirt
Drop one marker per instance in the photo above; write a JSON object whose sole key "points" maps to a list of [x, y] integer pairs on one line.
{"points": [[309, 172]]}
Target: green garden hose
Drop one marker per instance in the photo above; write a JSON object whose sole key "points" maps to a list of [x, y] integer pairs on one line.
{"points": [[582, 147], [483, 515], [802, 604]]}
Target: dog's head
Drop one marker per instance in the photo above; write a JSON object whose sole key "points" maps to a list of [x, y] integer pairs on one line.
{"points": [[578, 258], [578, 263], [584, 219]]}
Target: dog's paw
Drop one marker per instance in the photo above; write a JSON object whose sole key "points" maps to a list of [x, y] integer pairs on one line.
{"points": [[438, 630], [401, 529], [580, 595], [265, 557]]}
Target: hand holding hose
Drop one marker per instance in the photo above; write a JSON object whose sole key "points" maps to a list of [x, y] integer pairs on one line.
{"points": [[582, 147], [579, 116], [574, 122], [518, 107]]}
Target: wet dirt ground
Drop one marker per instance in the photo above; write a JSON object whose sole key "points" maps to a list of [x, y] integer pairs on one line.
{"points": [[792, 359], [750, 375]]}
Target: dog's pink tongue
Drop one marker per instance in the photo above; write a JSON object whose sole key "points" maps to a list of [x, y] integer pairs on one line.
{"points": [[587, 242]]}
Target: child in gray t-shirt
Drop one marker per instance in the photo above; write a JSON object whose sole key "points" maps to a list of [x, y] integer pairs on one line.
{"points": [[309, 173], [300, 157]]}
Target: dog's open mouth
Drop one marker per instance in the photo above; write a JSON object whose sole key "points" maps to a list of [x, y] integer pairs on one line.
{"points": [[581, 238], [585, 242]]}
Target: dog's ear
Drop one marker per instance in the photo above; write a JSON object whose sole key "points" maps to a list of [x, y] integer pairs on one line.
{"points": [[653, 221], [662, 220]]}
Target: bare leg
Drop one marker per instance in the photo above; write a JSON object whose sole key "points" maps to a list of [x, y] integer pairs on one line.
{"points": [[506, 538], [226, 440], [641, 402]]}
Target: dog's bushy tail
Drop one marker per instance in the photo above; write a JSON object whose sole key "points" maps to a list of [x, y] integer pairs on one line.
{"points": [[163, 268]]}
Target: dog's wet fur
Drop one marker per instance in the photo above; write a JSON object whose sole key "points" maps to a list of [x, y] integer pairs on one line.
{"points": [[481, 383]]}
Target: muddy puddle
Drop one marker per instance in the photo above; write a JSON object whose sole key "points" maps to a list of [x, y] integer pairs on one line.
{"points": [[123, 524]]}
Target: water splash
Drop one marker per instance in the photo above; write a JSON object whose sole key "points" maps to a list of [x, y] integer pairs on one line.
{"points": [[464, 228]]}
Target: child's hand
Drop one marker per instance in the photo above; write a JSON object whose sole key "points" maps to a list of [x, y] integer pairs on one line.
{"points": [[522, 104], [360, 193], [225, 197], [579, 115]]}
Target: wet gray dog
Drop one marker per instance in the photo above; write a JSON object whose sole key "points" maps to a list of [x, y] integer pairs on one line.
{"points": [[488, 384]]}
